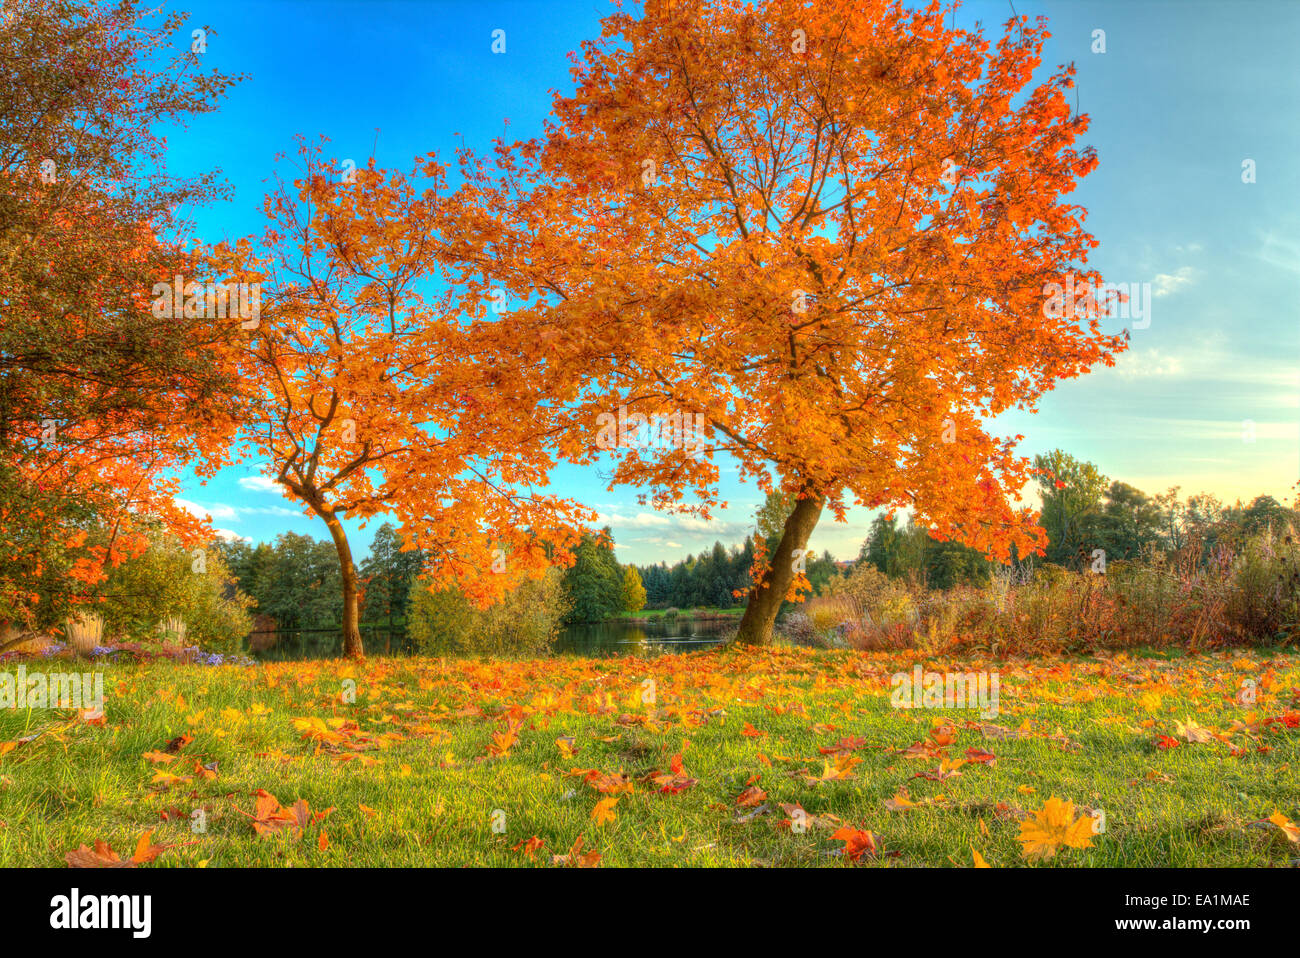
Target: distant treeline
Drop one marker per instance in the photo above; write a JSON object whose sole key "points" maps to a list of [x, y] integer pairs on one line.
{"points": [[1087, 517], [712, 579], [295, 579]]}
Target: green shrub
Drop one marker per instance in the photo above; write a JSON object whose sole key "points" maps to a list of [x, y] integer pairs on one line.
{"points": [[169, 582], [524, 622]]}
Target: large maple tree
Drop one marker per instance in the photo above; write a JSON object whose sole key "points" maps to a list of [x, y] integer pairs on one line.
{"points": [[377, 383], [825, 227]]}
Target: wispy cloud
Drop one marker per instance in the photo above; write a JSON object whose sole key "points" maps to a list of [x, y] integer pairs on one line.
{"points": [[1166, 284], [217, 511], [1236, 429], [1281, 252], [676, 524], [220, 511], [260, 484]]}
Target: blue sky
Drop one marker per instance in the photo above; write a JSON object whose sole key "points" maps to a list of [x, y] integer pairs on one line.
{"points": [[1208, 395]]}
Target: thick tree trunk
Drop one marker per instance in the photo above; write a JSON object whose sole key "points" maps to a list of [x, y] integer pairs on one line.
{"points": [[765, 601], [352, 647]]}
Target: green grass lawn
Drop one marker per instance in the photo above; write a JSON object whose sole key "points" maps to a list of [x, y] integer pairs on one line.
{"points": [[433, 755]]}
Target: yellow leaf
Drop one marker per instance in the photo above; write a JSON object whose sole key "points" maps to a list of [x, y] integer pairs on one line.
{"points": [[1289, 828], [900, 802], [604, 810], [1054, 825]]}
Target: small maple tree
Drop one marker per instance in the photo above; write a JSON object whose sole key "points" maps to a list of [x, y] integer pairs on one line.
{"points": [[826, 229], [376, 383]]}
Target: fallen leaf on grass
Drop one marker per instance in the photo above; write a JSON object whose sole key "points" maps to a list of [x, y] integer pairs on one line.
{"points": [[604, 810], [842, 769], [1152, 776], [1287, 827], [167, 779], [805, 820], [856, 842], [900, 802], [1193, 732], [102, 856], [576, 857], [604, 783], [748, 817], [529, 846], [270, 817], [1054, 825]]}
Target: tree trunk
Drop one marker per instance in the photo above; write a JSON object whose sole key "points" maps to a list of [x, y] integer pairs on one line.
{"points": [[765, 601], [352, 647]]}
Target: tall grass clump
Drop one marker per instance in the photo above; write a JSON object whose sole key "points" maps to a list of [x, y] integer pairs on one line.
{"points": [[1196, 597]]}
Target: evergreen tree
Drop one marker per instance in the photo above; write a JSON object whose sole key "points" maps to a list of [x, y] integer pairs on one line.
{"points": [[593, 585], [389, 573]]}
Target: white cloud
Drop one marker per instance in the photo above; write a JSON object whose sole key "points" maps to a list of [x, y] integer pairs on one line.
{"points": [[1275, 380], [217, 511], [260, 484], [1168, 283], [678, 524], [273, 511], [1141, 363]]}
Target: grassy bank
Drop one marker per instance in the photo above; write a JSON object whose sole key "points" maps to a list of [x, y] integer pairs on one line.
{"points": [[703, 612], [433, 754]]}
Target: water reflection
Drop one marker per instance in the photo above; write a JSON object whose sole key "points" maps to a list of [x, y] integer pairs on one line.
{"points": [[653, 637]]}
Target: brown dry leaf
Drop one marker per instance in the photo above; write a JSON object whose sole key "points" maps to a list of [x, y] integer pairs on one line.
{"points": [[1193, 732], [102, 856], [576, 858]]}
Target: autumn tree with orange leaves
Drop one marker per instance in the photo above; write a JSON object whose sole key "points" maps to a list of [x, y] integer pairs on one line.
{"points": [[376, 383], [825, 227], [100, 401]]}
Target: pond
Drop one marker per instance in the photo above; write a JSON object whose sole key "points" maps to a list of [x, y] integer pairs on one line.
{"points": [[653, 637], [614, 638]]}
